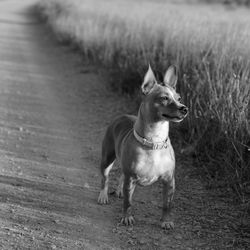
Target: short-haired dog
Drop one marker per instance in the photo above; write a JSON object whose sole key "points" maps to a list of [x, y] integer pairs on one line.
{"points": [[142, 147]]}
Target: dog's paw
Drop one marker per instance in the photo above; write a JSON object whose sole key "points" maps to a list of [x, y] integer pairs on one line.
{"points": [[167, 225], [128, 220], [103, 197]]}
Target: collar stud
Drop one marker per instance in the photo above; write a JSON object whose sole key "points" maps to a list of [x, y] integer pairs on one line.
{"points": [[150, 144]]}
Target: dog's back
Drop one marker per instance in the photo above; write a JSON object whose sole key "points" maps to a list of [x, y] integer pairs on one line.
{"points": [[117, 131], [122, 125]]}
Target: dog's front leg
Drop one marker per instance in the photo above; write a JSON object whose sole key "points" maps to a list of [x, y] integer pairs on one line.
{"points": [[128, 190], [168, 194]]}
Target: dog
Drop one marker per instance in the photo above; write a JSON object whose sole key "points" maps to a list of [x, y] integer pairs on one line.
{"points": [[142, 147]]}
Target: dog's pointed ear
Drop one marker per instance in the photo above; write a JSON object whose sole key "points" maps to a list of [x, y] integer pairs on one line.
{"points": [[149, 81], [170, 77]]}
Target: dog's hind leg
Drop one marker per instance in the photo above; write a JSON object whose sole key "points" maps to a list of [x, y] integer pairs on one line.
{"points": [[108, 157], [119, 190], [103, 196]]}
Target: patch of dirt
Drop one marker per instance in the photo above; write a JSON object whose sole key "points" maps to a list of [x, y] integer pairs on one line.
{"points": [[54, 109]]}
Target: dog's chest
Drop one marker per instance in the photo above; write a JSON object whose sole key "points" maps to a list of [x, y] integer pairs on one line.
{"points": [[150, 166]]}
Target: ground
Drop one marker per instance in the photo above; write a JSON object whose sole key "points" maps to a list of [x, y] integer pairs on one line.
{"points": [[54, 108]]}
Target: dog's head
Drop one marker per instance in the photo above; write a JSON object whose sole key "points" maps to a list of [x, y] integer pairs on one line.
{"points": [[161, 98]]}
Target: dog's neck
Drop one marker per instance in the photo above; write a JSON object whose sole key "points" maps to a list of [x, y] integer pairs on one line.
{"points": [[150, 128]]}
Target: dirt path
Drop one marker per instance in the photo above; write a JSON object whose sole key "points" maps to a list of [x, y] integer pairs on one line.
{"points": [[53, 112]]}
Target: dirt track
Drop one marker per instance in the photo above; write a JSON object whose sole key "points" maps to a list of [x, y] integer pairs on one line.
{"points": [[53, 112]]}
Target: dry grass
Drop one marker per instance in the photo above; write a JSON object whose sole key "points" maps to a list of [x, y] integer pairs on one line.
{"points": [[211, 47]]}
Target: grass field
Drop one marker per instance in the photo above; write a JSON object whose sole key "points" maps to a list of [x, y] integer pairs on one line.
{"points": [[209, 44]]}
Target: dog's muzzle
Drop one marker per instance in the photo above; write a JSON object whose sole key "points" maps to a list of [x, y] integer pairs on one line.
{"points": [[183, 109]]}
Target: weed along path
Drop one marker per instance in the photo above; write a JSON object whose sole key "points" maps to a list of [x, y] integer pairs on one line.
{"points": [[53, 113]]}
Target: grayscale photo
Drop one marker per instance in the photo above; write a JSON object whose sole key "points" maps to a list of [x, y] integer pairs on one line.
{"points": [[124, 124]]}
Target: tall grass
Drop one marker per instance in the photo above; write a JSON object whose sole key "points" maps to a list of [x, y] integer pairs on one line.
{"points": [[211, 47]]}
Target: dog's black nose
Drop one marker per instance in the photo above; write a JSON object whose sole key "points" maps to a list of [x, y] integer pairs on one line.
{"points": [[184, 110]]}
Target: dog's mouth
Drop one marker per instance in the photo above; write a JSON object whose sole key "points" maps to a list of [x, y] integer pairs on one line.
{"points": [[173, 118]]}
